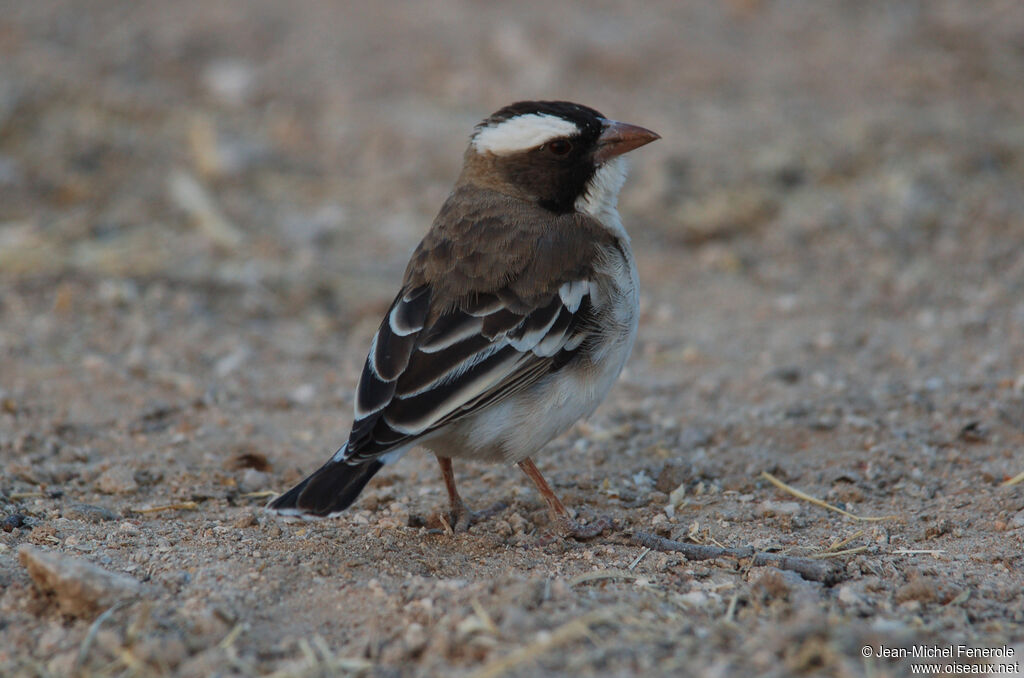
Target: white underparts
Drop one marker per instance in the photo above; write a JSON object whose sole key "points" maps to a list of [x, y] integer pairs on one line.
{"points": [[521, 133]]}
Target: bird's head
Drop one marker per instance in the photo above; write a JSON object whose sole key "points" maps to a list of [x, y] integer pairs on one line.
{"points": [[561, 155]]}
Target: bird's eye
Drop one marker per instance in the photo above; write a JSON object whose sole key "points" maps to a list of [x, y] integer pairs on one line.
{"points": [[560, 147]]}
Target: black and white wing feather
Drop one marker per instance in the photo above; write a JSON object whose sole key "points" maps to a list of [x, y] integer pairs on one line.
{"points": [[420, 376]]}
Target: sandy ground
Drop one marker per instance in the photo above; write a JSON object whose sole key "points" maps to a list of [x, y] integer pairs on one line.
{"points": [[205, 207]]}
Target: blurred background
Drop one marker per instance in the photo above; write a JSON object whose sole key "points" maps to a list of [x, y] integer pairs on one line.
{"points": [[205, 206], [311, 144], [823, 153]]}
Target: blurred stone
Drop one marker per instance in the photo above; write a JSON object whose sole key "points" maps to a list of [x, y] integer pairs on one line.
{"points": [[231, 361], [205, 620], [230, 80], [695, 436], [676, 497], [778, 508], [208, 662], [62, 664], [88, 513], [117, 480], [848, 595], [51, 639], [248, 457], [695, 599], [1018, 519], [788, 375], [253, 480], [247, 519], [121, 292], [13, 522], [772, 585], [973, 432], [921, 589], [415, 639], [671, 476], [165, 651], [303, 394], [79, 588]]}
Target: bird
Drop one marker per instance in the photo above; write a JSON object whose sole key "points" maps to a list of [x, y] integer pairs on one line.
{"points": [[516, 313]]}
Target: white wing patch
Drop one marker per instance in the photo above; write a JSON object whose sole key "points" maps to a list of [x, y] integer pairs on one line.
{"points": [[521, 133], [572, 293]]}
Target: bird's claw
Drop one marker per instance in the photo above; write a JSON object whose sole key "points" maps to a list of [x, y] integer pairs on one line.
{"points": [[572, 529], [462, 518]]}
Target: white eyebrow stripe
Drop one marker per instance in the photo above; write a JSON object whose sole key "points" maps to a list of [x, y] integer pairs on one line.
{"points": [[522, 132]]}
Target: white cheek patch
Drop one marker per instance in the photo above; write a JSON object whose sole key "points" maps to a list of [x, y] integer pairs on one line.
{"points": [[521, 133]]}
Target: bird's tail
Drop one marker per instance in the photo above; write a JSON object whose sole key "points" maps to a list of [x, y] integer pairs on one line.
{"points": [[327, 491]]}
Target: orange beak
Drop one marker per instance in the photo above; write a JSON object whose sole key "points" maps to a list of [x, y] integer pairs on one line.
{"points": [[621, 137]]}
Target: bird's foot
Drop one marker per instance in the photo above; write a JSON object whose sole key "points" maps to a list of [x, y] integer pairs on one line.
{"points": [[583, 532], [572, 529], [462, 518]]}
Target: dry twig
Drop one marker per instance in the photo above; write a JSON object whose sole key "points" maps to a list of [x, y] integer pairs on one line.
{"points": [[182, 506], [632, 566], [16, 496], [1019, 478], [90, 636], [258, 494], [837, 545], [812, 570], [836, 554], [189, 195], [818, 502], [919, 552], [603, 574]]}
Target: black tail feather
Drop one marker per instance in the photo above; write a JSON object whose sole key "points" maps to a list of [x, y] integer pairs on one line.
{"points": [[330, 489]]}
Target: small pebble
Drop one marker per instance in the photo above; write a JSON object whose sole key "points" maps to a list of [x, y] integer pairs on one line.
{"points": [[13, 521], [247, 519]]}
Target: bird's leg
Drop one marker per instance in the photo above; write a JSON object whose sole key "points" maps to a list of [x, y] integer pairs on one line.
{"points": [[557, 508], [461, 516], [460, 513]]}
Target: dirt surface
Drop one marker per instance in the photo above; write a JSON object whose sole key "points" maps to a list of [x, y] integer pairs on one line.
{"points": [[205, 208]]}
